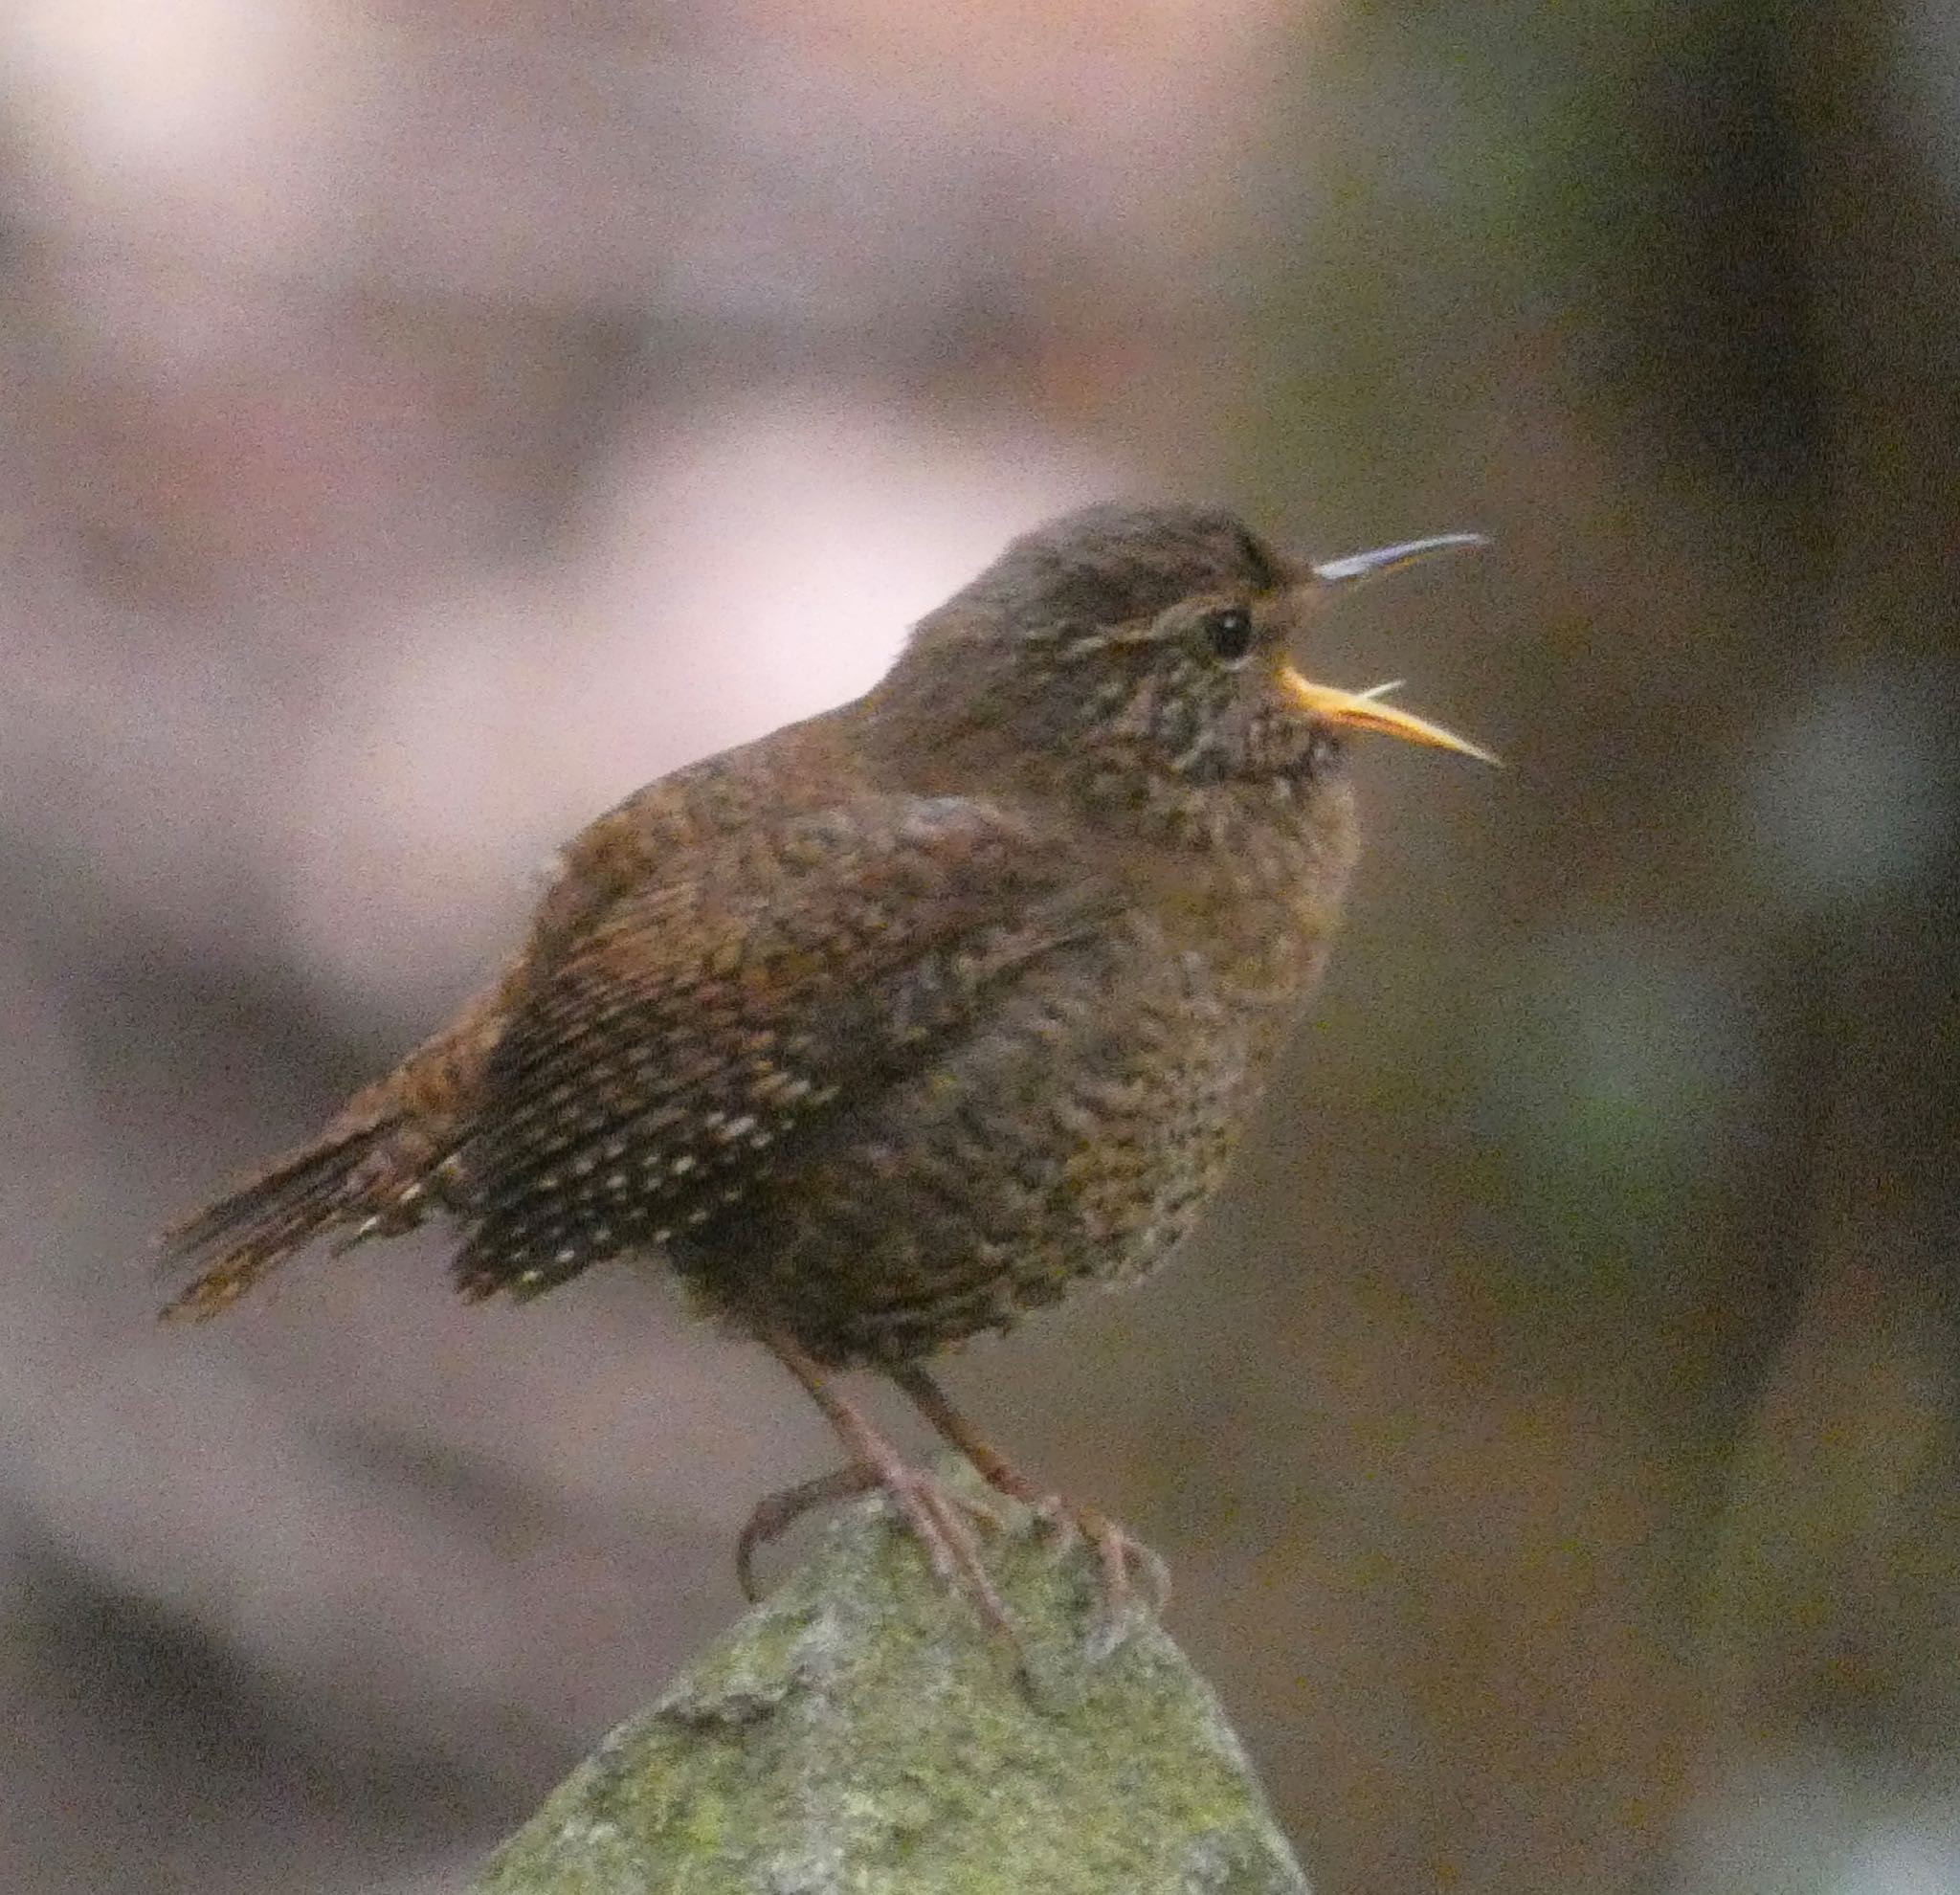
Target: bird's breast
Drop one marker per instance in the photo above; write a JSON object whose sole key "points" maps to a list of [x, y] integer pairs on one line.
{"points": [[1251, 885]]}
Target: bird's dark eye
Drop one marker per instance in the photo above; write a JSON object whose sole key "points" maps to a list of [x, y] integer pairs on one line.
{"points": [[1228, 634]]}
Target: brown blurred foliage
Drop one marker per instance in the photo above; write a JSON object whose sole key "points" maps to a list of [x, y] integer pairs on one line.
{"points": [[423, 423]]}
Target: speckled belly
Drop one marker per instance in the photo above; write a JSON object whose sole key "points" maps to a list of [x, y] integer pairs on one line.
{"points": [[1067, 1140]]}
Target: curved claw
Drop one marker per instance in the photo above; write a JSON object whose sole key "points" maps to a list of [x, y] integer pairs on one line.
{"points": [[776, 1513], [1121, 1556], [1133, 1575], [941, 1519], [942, 1522]]}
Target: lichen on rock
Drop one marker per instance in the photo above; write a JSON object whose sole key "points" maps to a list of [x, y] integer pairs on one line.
{"points": [[862, 1733]]}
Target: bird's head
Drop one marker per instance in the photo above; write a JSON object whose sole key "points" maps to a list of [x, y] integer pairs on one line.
{"points": [[1134, 647]]}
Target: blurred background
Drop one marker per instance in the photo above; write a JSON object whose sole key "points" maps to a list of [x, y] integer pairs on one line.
{"points": [[421, 423]]}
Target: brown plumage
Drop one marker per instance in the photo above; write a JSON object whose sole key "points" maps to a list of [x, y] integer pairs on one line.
{"points": [[905, 1019]]}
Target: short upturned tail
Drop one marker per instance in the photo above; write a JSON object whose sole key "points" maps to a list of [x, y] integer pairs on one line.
{"points": [[350, 1178]]}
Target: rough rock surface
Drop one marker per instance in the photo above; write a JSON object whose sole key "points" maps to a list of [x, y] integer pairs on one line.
{"points": [[861, 1732]]}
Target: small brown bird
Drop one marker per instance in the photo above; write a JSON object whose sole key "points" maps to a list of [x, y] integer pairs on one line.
{"points": [[905, 1020]]}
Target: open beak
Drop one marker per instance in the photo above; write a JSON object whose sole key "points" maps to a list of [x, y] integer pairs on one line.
{"points": [[1364, 710], [1393, 559]]}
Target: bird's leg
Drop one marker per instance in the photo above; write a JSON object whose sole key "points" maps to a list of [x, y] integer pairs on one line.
{"points": [[1124, 1560], [940, 1521]]}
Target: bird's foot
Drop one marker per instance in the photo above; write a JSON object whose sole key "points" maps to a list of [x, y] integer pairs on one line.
{"points": [[945, 1523], [941, 1519], [948, 1526], [1133, 1577]]}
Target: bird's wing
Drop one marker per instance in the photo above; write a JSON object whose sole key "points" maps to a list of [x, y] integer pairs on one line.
{"points": [[708, 1026]]}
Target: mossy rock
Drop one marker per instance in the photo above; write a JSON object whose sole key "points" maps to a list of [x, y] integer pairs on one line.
{"points": [[862, 1733]]}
